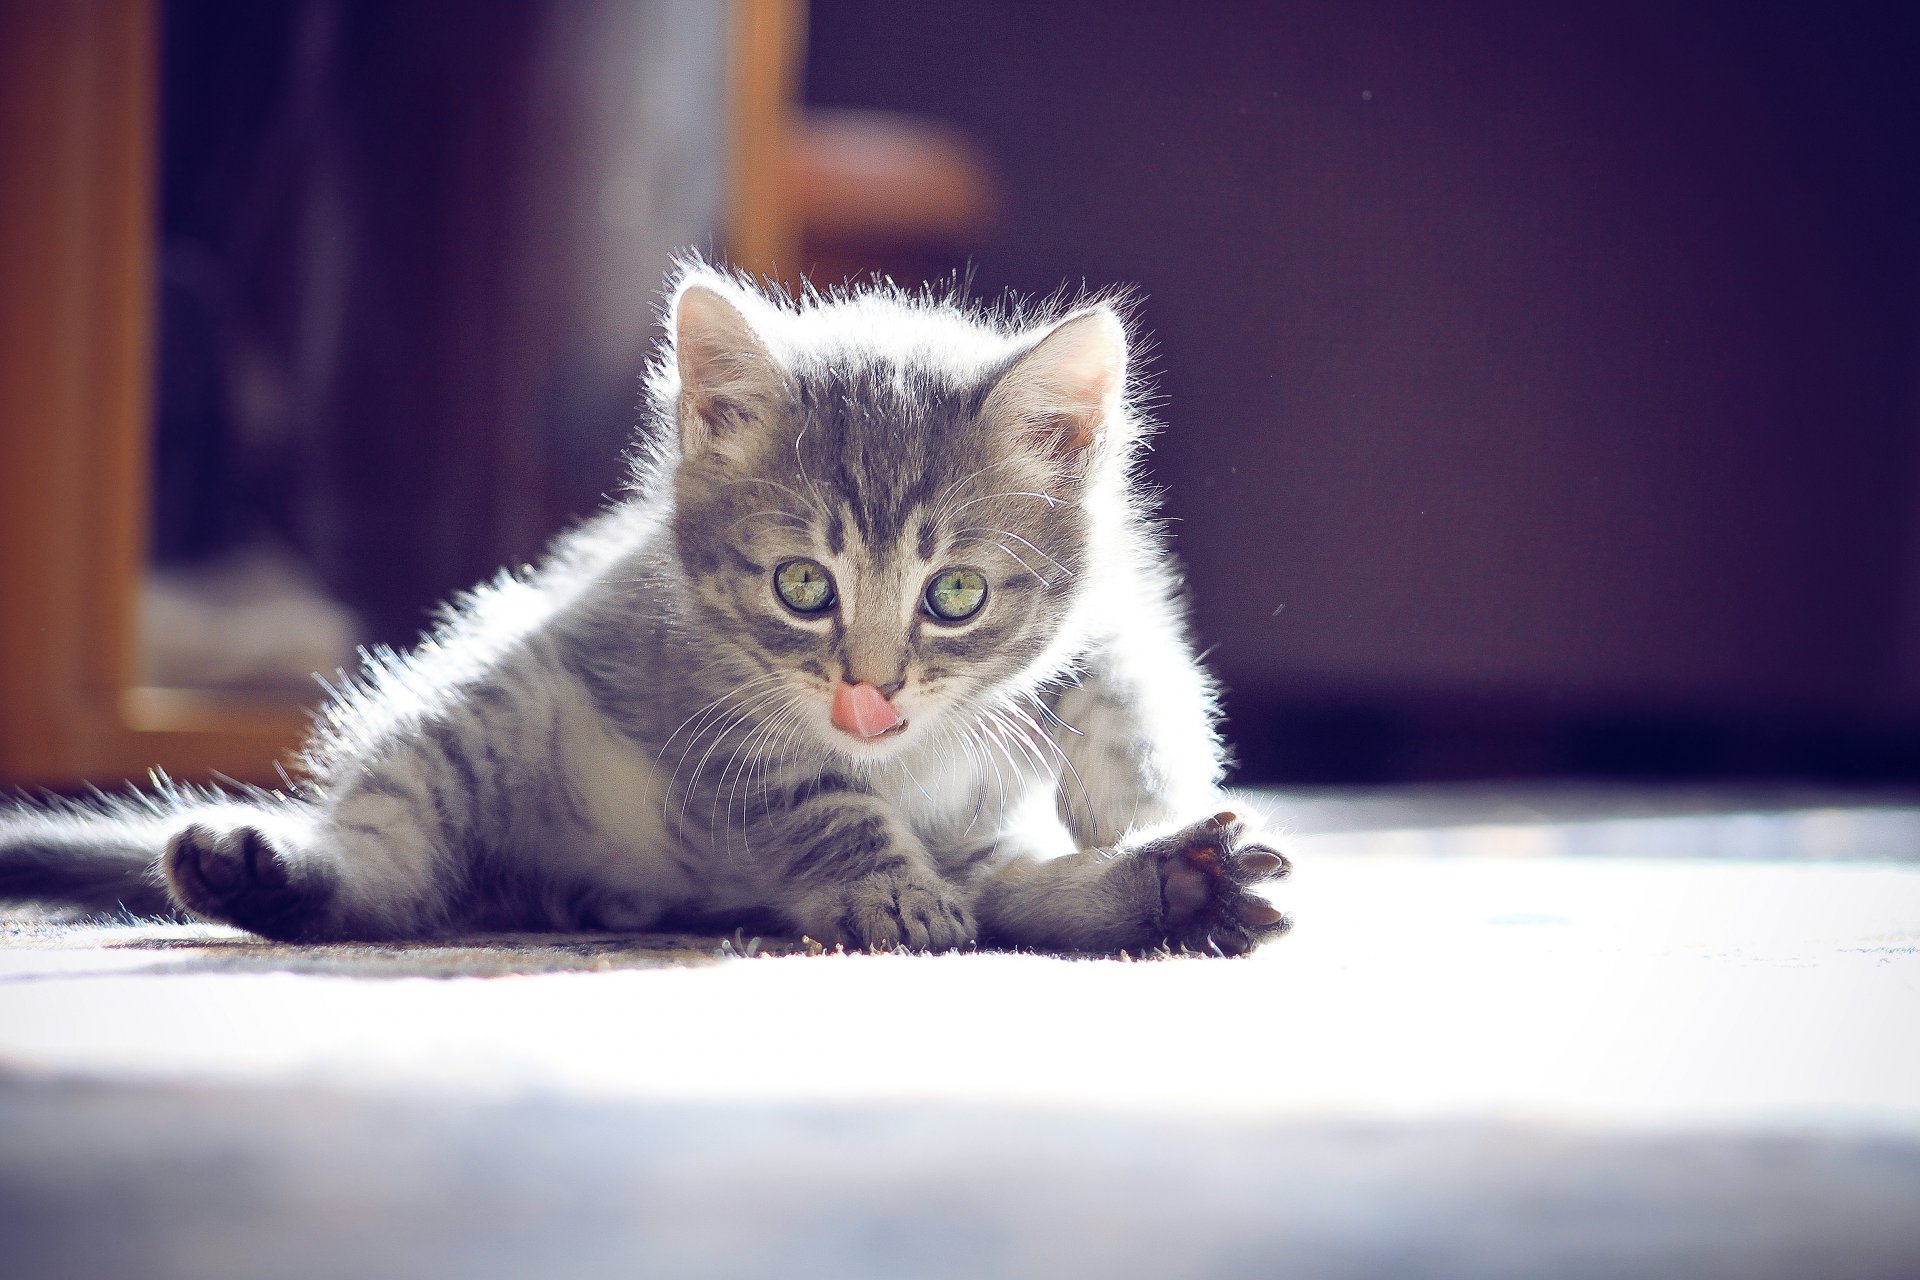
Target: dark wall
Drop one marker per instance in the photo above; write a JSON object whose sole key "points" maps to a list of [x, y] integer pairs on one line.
{"points": [[1540, 383]]}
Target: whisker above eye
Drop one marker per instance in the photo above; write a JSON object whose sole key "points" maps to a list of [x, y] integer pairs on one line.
{"points": [[800, 463], [1047, 498], [811, 499], [1008, 533], [795, 520], [1015, 557], [941, 500]]}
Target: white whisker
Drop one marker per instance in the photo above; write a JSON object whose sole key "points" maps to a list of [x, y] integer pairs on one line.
{"points": [[1007, 533]]}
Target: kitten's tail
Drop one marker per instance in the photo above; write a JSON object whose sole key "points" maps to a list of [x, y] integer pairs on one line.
{"points": [[100, 857]]}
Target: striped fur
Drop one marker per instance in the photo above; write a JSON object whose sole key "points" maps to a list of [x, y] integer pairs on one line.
{"points": [[637, 731]]}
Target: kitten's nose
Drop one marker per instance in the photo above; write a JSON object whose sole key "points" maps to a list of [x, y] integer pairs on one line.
{"points": [[849, 673], [863, 710]]}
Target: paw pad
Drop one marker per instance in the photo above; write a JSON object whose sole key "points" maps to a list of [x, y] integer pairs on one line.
{"points": [[239, 877], [1206, 876]]}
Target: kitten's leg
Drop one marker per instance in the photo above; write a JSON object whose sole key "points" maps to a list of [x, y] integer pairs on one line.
{"points": [[1137, 738], [1137, 732], [1193, 888], [856, 875], [372, 861]]}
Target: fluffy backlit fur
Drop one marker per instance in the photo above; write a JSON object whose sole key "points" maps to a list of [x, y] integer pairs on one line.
{"points": [[640, 731]]}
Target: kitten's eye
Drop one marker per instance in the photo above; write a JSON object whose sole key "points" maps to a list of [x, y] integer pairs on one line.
{"points": [[955, 594], [805, 585]]}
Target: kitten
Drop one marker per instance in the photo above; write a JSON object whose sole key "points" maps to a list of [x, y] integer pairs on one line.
{"points": [[883, 649]]}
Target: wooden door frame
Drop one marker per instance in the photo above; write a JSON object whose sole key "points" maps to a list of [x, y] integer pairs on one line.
{"points": [[79, 84]]}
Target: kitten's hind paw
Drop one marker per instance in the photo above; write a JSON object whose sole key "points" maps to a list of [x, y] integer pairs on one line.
{"points": [[238, 876], [1206, 879]]}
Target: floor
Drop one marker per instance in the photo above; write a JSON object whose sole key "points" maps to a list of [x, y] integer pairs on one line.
{"points": [[1515, 1032]]}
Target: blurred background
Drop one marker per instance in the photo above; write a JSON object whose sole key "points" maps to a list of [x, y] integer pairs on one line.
{"points": [[1542, 400], [1541, 380], [1542, 384]]}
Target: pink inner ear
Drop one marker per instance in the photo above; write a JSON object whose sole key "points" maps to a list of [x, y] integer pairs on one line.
{"points": [[1065, 388]]}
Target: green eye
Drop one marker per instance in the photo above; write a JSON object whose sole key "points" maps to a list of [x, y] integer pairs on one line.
{"points": [[955, 594], [804, 585]]}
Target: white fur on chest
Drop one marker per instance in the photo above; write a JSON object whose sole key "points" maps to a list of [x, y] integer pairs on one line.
{"points": [[955, 798]]}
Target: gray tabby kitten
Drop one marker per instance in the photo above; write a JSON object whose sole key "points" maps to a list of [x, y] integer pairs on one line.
{"points": [[884, 649]]}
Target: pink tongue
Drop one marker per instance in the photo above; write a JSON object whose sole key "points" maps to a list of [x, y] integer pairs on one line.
{"points": [[863, 710]]}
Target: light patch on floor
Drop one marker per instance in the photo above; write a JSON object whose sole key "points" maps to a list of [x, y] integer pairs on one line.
{"points": [[1603, 992], [1452, 995]]}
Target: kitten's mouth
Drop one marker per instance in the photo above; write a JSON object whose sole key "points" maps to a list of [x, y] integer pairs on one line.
{"points": [[862, 711]]}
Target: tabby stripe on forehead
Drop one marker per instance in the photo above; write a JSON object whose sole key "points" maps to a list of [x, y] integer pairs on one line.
{"points": [[927, 543], [920, 491]]}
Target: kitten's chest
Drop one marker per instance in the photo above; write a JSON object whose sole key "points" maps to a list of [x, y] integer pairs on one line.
{"points": [[954, 798]]}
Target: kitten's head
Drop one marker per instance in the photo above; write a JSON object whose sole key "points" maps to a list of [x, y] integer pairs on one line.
{"points": [[887, 507]]}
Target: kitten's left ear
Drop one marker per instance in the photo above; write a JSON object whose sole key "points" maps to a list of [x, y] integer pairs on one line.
{"points": [[1066, 391]]}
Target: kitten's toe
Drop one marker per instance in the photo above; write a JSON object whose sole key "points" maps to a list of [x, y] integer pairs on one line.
{"points": [[1255, 863], [1205, 874], [239, 877], [199, 870], [890, 909], [934, 922], [1258, 914]]}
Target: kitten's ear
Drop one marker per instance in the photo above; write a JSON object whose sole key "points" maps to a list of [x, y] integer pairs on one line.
{"points": [[1065, 392], [727, 375]]}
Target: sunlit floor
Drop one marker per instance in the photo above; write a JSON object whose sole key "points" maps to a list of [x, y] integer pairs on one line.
{"points": [[1513, 1033]]}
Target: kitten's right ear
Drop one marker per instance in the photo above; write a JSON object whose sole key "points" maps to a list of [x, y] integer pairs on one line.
{"points": [[1064, 392], [728, 378]]}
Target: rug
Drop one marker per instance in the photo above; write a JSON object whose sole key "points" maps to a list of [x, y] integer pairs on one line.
{"points": [[1488, 1048]]}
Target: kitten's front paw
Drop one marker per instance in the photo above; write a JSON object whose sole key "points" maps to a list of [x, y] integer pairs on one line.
{"points": [[1206, 880], [898, 908], [237, 875]]}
